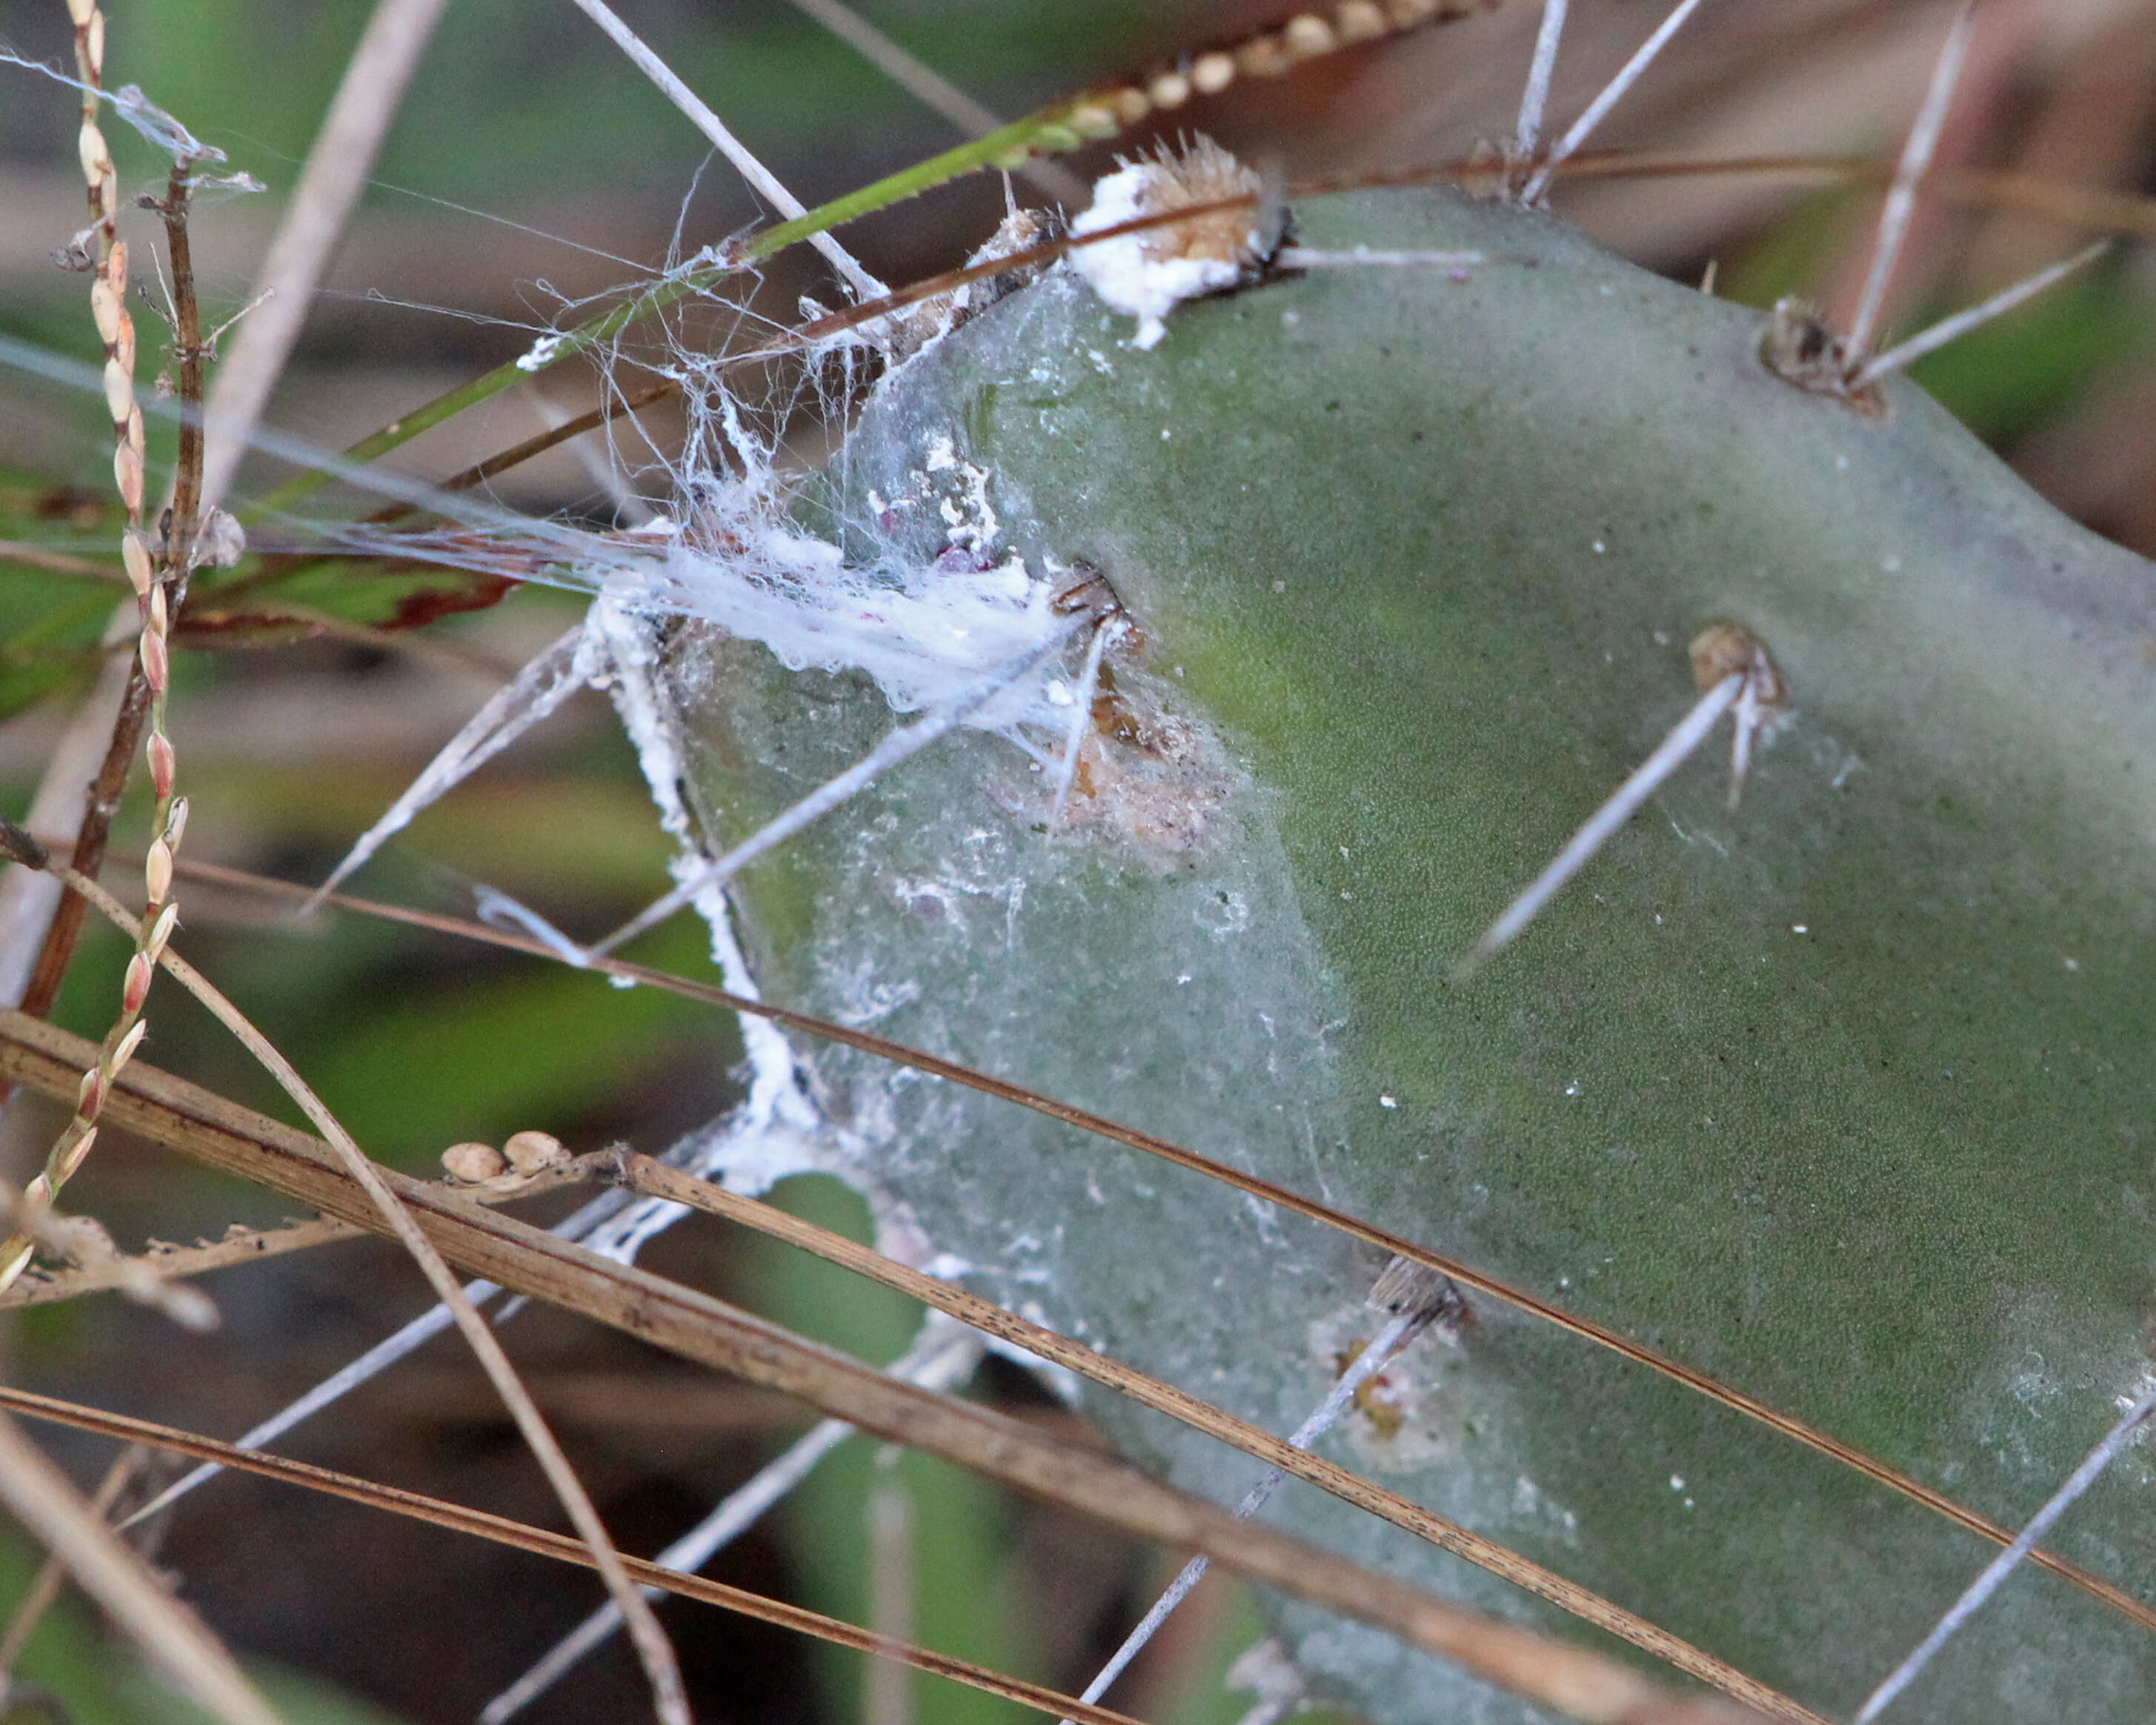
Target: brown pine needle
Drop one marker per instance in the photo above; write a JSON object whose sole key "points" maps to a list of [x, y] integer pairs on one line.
{"points": [[655, 1179], [1520, 1299], [523, 1536], [653, 1649], [524, 1259]]}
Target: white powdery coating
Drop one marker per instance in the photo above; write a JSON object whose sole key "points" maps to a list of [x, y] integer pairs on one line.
{"points": [[543, 354], [1135, 273]]}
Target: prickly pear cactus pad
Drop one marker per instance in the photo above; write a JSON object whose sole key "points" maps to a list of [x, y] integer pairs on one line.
{"points": [[1845, 1095]]}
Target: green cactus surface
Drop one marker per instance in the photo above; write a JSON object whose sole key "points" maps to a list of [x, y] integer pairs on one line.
{"points": [[1845, 1097]]}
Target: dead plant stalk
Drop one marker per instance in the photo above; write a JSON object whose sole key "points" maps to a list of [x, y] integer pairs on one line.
{"points": [[385, 1212]]}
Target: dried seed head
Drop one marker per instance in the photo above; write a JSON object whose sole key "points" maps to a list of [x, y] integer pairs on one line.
{"points": [[532, 1152], [127, 476], [105, 306], [96, 159], [1265, 57], [161, 931], [134, 554], [157, 870], [129, 1043], [472, 1163], [136, 987], [119, 390]]}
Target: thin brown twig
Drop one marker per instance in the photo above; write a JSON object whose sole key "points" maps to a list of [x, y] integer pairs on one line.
{"points": [[108, 1270], [81, 1241], [1115, 1132], [30, 900], [101, 802], [519, 1536], [172, 1263], [655, 1179], [242, 1246], [653, 1649], [108, 1569], [524, 1259]]}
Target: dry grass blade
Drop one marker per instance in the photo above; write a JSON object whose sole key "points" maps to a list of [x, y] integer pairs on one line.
{"points": [[932, 89], [515, 1256], [330, 184], [654, 1179], [47, 1587], [385, 1208], [745, 163], [1392, 1244], [524, 1538], [39, 1496]]}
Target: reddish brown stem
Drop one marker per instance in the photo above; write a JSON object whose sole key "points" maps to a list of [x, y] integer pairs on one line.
{"points": [[102, 801]]}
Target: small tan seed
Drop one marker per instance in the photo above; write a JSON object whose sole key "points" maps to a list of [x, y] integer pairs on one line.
{"points": [[1307, 35], [472, 1163], [1212, 73], [532, 1152], [1360, 21], [1171, 89]]}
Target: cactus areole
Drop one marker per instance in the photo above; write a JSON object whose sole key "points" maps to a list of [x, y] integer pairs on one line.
{"points": [[1845, 1096]]}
